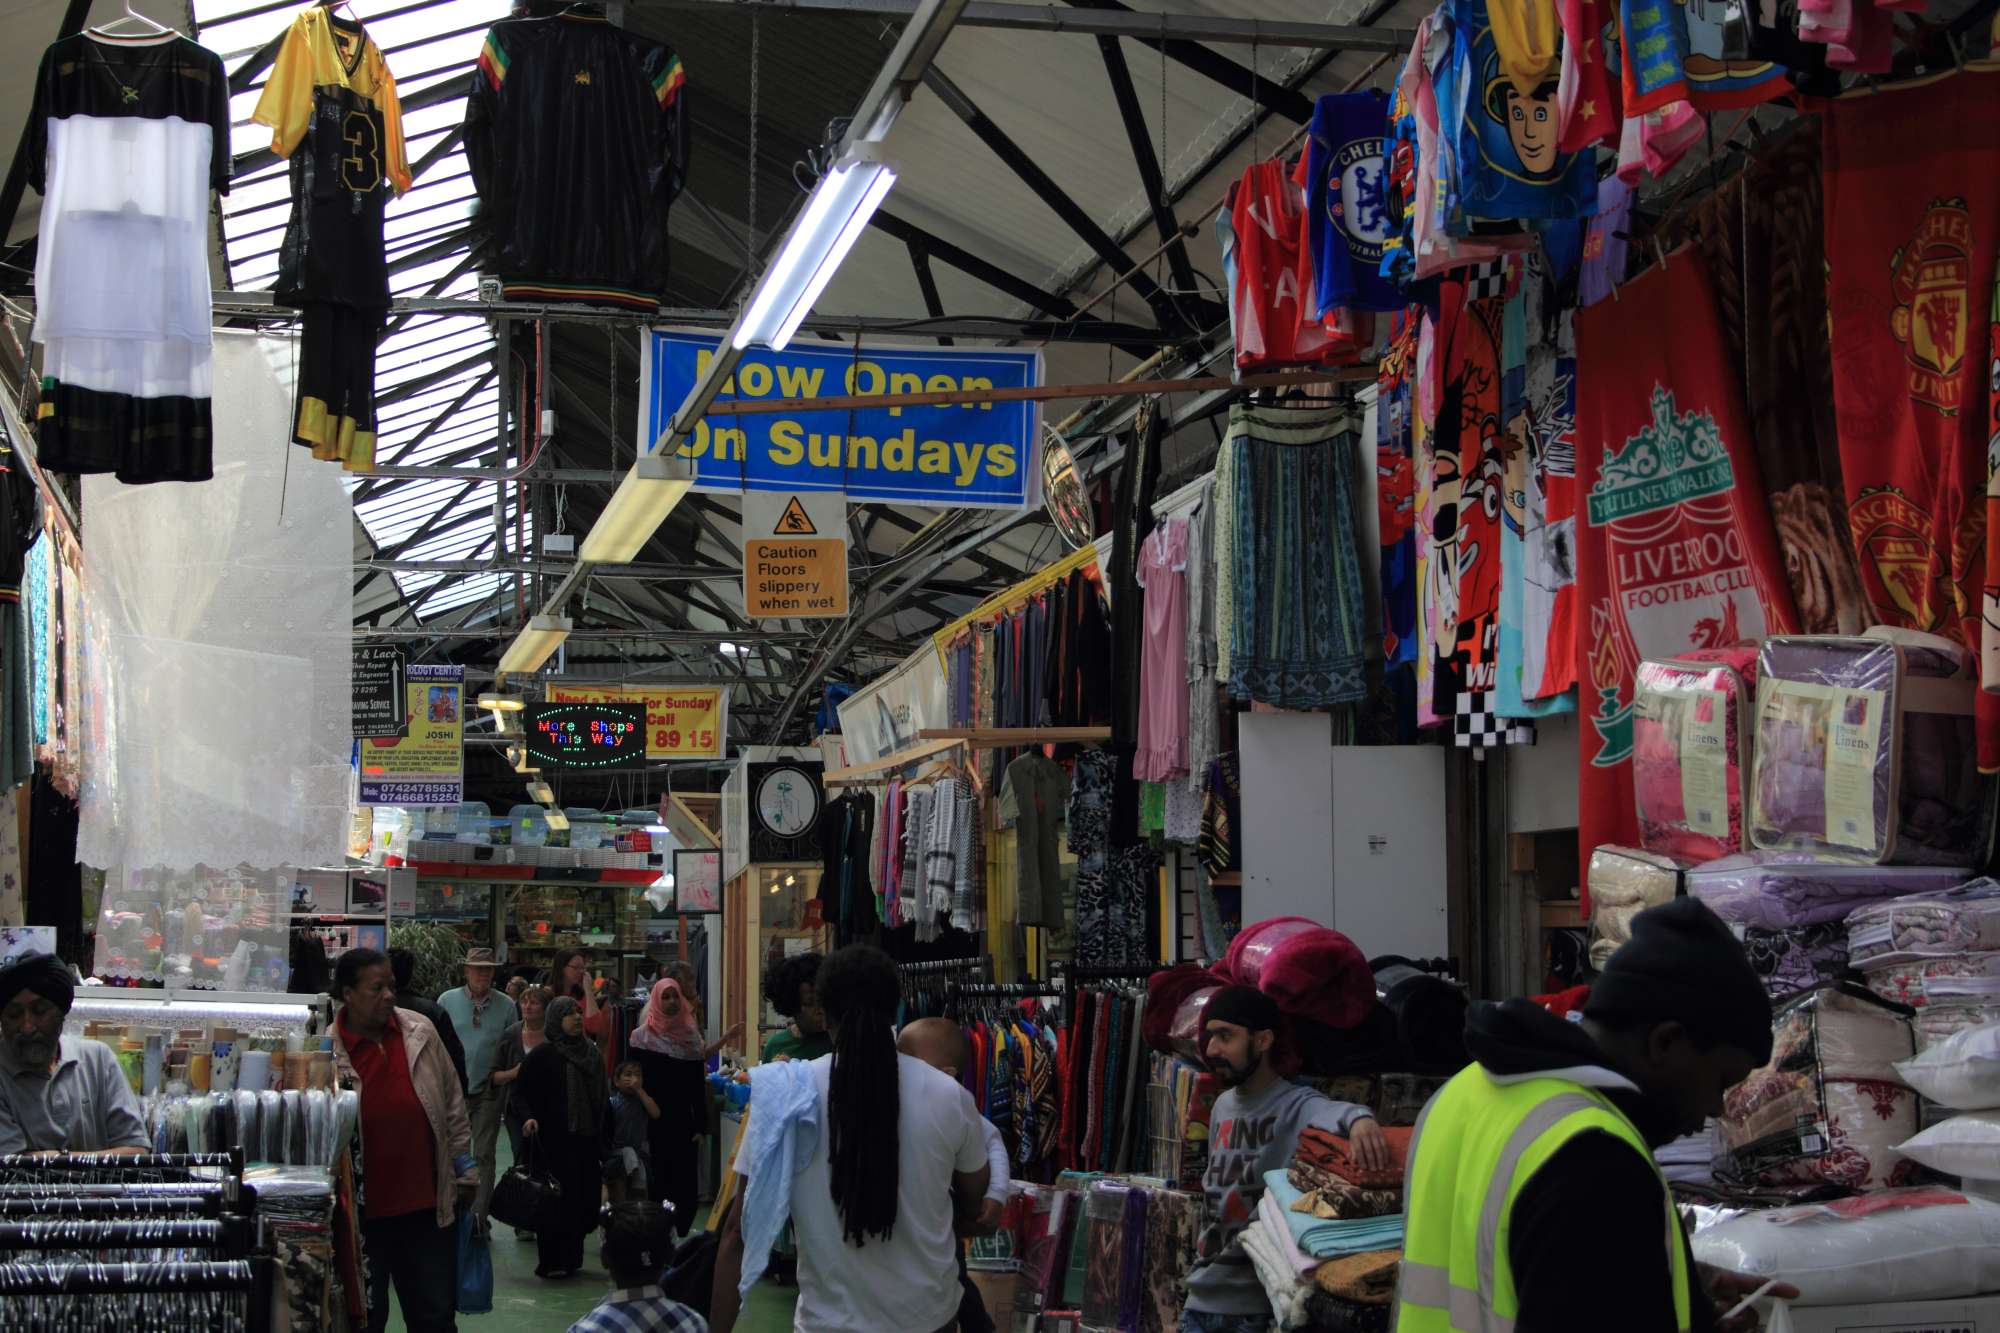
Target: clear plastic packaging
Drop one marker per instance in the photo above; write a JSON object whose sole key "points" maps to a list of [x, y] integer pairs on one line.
{"points": [[1907, 981], [1625, 881], [1780, 890], [1895, 1245], [1187, 1035], [1797, 958], [1691, 745], [1830, 1105], [1965, 919], [1949, 1014], [1961, 1071], [1252, 949], [1864, 748]]}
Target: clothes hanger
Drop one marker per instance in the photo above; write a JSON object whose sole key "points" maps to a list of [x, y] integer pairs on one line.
{"points": [[152, 27]]}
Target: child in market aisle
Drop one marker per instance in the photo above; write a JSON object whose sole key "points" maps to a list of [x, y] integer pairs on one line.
{"points": [[940, 1043], [638, 1245], [633, 1111]]}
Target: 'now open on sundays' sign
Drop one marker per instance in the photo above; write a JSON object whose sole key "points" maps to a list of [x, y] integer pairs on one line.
{"points": [[981, 455]]}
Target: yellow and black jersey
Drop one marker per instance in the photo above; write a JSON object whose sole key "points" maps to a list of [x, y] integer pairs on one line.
{"points": [[576, 133], [331, 105]]}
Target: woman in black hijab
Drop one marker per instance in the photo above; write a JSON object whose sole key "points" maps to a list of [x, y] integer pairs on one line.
{"points": [[568, 1098]]}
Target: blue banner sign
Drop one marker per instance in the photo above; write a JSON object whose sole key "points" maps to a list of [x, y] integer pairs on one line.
{"points": [[982, 455]]}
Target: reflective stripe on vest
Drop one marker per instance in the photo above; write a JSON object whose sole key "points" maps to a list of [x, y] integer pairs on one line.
{"points": [[1427, 1299]]}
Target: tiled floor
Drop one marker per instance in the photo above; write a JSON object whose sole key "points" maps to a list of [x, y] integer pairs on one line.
{"points": [[524, 1303]]}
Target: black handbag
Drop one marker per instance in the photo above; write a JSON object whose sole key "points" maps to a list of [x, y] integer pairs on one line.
{"points": [[526, 1198]]}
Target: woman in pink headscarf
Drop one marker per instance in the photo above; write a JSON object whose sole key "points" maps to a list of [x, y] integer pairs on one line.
{"points": [[667, 1042]]}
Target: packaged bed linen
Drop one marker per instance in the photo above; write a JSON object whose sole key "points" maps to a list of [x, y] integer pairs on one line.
{"points": [[1625, 881], [1691, 739], [1915, 1244], [1830, 1106], [1964, 919], [1865, 749], [1908, 980]]}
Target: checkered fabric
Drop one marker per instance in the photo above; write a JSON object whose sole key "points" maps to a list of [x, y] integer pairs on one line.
{"points": [[1475, 726]]}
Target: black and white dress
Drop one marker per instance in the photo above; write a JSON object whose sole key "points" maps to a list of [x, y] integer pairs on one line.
{"points": [[126, 139]]}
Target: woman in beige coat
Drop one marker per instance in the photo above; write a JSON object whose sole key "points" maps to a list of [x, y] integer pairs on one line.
{"points": [[416, 1146]]}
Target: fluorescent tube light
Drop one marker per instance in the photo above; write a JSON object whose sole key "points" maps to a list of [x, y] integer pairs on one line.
{"points": [[832, 220], [536, 644], [644, 498], [502, 701]]}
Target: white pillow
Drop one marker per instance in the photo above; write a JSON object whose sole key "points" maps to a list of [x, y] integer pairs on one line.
{"points": [[1966, 1145], [1962, 1071]]}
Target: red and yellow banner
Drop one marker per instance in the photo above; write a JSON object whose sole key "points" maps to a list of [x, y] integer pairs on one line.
{"points": [[685, 723]]}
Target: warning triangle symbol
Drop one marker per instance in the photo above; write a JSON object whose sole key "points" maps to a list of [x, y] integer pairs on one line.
{"points": [[794, 523]]}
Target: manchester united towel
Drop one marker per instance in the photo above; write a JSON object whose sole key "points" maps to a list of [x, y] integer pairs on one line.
{"points": [[1674, 547], [1912, 223]]}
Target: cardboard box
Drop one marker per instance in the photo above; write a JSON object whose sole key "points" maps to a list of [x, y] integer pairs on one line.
{"points": [[1979, 1314]]}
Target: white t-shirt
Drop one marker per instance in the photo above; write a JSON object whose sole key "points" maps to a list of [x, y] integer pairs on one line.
{"points": [[910, 1281]]}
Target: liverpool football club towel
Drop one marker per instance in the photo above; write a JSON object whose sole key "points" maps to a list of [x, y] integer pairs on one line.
{"points": [[1912, 223], [1674, 546]]}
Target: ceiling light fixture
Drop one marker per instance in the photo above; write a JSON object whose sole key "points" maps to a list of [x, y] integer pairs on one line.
{"points": [[536, 644], [644, 498], [541, 793], [833, 219], [502, 701], [557, 820]]}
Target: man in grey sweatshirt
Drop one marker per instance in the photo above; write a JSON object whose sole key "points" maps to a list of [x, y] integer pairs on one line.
{"points": [[1254, 1128]]}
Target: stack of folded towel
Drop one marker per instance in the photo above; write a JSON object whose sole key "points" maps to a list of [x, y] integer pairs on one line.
{"points": [[1339, 1187]]}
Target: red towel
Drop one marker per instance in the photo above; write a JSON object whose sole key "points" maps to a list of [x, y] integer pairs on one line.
{"points": [[1330, 1153], [1912, 227], [1673, 540]]}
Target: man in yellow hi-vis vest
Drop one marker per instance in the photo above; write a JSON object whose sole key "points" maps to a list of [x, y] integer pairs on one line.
{"points": [[1533, 1204]]}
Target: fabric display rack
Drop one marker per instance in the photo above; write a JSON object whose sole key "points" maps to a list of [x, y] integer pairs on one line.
{"points": [[174, 1243], [248, 1082]]}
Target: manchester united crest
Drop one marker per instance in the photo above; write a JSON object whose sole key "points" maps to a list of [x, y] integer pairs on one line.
{"points": [[1931, 280], [1896, 542]]}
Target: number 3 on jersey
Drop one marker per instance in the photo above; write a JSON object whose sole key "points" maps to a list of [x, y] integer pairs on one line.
{"points": [[361, 166]]}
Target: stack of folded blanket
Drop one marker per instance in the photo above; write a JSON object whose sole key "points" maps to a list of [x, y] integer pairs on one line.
{"points": [[1353, 1294], [1328, 1238], [1338, 1187]]}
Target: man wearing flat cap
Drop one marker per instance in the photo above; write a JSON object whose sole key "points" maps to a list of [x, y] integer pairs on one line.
{"points": [[1531, 1199], [57, 1093]]}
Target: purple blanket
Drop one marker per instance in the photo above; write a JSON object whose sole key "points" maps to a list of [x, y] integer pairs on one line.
{"points": [[1779, 890], [1901, 707]]}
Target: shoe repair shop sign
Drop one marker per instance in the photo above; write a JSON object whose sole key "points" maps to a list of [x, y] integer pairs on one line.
{"points": [[979, 454]]}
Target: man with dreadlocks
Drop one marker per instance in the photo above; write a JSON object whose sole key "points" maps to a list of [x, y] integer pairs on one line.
{"points": [[883, 1155]]}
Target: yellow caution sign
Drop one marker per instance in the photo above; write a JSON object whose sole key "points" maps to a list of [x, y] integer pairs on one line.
{"points": [[794, 555], [795, 522]]}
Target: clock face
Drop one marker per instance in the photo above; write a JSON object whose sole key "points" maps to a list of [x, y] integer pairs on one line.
{"points": [[787, 801]]}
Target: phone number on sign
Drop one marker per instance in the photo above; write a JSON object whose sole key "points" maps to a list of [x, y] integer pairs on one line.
{"points": [[413, 793], [670, 738]]}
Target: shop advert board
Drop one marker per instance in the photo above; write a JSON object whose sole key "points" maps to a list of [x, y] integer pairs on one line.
{"points": [[697, 880], [982, 455], [425, 765]]}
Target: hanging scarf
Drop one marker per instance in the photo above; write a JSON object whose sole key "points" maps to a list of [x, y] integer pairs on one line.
{"points": [[678, 1038], [583, 1074]]}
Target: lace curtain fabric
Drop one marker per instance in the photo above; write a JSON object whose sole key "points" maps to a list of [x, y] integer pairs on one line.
{"points": [[219, 645]]}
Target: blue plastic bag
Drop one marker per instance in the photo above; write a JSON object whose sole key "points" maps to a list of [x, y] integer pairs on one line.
{"points": [[475, 1269]]}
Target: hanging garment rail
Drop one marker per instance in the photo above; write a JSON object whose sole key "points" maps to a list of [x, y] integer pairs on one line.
{"points": [[934, 966], [878, 770], [31, 1278], [118, 1189], [111, 1205], [234, 1236], [1006, 738], [231, 1161]]}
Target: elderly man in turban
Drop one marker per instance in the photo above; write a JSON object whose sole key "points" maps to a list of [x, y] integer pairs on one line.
{"points": [[57, 1093]]}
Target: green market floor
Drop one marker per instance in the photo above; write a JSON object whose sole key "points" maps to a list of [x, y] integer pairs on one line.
{"points": [[523, 1303]]}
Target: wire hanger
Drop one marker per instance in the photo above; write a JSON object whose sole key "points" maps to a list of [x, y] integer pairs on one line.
{"points": [[153, 28]]}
